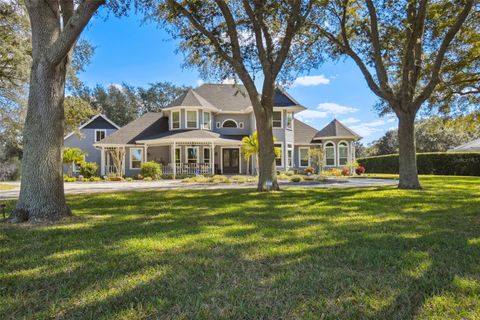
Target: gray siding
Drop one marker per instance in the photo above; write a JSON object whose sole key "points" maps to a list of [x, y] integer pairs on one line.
{"points": [[245, 118], [85, 142]]}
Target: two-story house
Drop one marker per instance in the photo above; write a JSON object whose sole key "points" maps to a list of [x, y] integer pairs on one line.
{"points": [[201, 132]]}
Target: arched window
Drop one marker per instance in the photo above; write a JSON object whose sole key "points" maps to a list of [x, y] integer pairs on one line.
{"points": [[330, 154], [342, 153], [229, 124]]}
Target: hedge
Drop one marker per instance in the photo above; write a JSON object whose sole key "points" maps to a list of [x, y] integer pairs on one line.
{"points": [[440, 163]]}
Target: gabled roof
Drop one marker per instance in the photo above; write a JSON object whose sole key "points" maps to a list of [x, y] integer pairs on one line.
{"points": [[303, 133], [472, 146], [191, 99], [191, 135], [90, 121], [335, 129], [149, 124]]}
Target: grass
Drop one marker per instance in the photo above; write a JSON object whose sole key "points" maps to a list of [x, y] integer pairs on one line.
{"points": [[6, 187], [373, 253]]}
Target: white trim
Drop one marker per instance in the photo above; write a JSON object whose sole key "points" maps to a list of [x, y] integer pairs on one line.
{"points": [[186, 119], [281, 155], [203, 120], [90, 121], [130, 158], [236, 123], [95, 135], [338, 147], [239, 158], [179, 120], [334, 154], [300, 157], [281, 119], [186, 153]]}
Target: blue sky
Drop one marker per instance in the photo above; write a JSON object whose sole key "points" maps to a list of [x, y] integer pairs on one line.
{"points": [[130, 51]]}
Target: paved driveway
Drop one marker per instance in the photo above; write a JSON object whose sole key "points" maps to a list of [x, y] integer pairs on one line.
{"points": [[96, 187]]}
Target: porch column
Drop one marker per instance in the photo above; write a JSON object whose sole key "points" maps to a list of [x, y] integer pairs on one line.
{"points": [[102, 162], [145, 148], [212, 159], [124, 160], [174, 161]]}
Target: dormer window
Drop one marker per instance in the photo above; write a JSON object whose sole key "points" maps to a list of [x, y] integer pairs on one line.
{"points": [[229, 124], [192, 119], [207, 120], [100, 134], [175, 119]]}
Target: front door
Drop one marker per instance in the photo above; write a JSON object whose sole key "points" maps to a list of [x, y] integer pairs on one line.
{"points": [[231, 161]]}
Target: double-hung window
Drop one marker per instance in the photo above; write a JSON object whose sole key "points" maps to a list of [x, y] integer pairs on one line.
{"points": [[304, 157], [192, 117], [192, 154], [207, 120], [136, 157], [207, 153], [342, 153], [277, 119], [278, 156], [330, 154], [175, 119], [100, 134]]}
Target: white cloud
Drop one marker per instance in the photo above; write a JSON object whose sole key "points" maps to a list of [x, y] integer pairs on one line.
{"points": [[117, 86], [311, 81], [350, 120], [367, 128], [200, 82], [308, 115], [228, 81], [334, 108]]}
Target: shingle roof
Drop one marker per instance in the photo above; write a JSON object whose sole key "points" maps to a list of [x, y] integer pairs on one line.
{"points": [[335, 129], [193, 135], [191, 99], [147, 125], [303, 133], [472, 146], [234, 97]]}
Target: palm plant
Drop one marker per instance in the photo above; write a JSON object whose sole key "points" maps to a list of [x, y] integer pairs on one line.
{"points": [[71, 156], [251, 148]]}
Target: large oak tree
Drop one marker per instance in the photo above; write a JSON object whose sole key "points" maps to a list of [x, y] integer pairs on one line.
{"points": [[245, 39], [55, 28], [407, 51]]}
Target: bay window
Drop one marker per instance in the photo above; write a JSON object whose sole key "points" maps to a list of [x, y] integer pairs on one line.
{"points": [[342, 153], [175, 119], [330, 154], [192, 117], [207, 119]]}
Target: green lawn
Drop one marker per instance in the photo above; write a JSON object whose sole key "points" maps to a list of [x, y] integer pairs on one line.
{"points": [[375, 253]]}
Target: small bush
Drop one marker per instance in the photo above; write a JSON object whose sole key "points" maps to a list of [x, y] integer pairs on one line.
{"points": [[345, 172], [166, 176], [69, 179], [359, 170], [290, 173], [115, 178], [147, 179], [151, 170], [129, 179], [80, 178], [94, 179], [440, 163], [282, 176], [88, 169], [296, 178], [332, 172], [221, 179]]}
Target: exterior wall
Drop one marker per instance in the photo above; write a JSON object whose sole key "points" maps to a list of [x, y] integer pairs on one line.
{"points": [[85, 142], [350, 154], [245, 118]]}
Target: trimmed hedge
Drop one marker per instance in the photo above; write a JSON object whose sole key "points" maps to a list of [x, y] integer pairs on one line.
{"points": [[439, 163]]}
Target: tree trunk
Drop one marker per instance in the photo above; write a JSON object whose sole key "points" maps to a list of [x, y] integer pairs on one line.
{"points": [[407, 152], [267, 173], [42, 195]]}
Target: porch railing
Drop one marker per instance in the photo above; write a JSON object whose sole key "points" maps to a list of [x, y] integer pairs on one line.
{"points": [[188, 168]]}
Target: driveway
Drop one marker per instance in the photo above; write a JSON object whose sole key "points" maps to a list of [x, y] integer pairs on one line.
{"points": [[96, 187]]}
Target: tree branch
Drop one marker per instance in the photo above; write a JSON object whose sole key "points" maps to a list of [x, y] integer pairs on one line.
{"points": [[72, 29], [434, 78]]}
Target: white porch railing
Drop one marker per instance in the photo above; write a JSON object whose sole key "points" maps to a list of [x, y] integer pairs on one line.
{"points": [[188, 168]]}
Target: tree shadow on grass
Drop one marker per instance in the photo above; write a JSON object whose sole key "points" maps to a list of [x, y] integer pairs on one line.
{"points": [[238, 254]]}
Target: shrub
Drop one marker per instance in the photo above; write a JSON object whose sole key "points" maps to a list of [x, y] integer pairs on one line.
{"points": [[359, 170], [69, 179], [309, 170], [151, 170], [332, 172], [345, 172], [282, 176], [80, 178], [296, 178], [147, 179], [115, 178], [129, 179], [94, 179], [289, 173], [440, 163], [166, 176], [88, 169]]}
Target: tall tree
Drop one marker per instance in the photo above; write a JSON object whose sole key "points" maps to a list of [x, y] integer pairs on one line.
{"points": [[404, 49], [244, 39], [77, 111], [158, 95], [55, 27]]}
